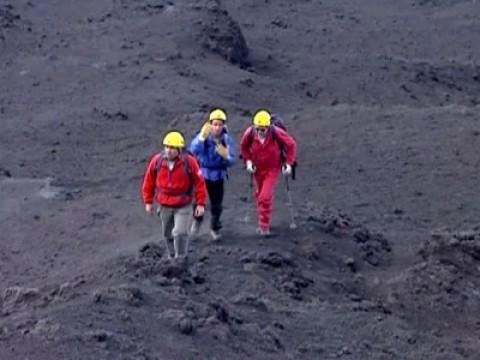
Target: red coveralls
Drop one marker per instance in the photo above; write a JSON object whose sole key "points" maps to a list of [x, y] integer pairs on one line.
{"points": [[266, 158]]}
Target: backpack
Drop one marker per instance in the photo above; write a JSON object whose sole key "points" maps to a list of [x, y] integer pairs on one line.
{"points": [[275, 122], [186, 167]]}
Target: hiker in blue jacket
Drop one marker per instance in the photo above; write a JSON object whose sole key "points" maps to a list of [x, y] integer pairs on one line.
{"points": [[215, 151]]}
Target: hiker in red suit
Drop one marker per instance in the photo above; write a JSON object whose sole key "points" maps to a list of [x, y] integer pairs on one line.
{"points": [[173, 177], [266, 149]]}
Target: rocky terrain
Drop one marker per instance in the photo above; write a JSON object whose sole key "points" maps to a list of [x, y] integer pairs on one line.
{"points": [[383, 99]]}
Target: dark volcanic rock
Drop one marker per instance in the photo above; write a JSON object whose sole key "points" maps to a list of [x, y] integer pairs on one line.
{"points": [[251, 300], [5, 172], [151, 251], [275, 259], [8, 17], [445, 283], [185, 325], [382, 98], [222, 35], [221, 312], [127, 294], [293, 283], [374, 248], [438, 3], [459, 247], [17, 296]]}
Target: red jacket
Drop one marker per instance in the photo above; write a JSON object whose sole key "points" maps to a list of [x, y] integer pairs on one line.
{"points": [[174, 187], [267, 155]]}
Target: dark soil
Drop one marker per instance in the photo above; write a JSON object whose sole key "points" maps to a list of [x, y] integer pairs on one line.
{"points": [[383, 98]]}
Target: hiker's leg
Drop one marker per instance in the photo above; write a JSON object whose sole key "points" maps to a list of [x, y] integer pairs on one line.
{"points": [[215, 193], [167, 220], [180, 230], [258, 178], [265, 198]]}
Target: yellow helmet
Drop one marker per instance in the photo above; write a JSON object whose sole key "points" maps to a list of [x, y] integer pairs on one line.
{"points": [[261, 118], [174, 139], [217, 114]]}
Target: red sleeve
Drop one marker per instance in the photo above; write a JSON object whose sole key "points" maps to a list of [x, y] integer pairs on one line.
{"points": [[290, 145], [245, 146], [148, 185], [200, 189]]}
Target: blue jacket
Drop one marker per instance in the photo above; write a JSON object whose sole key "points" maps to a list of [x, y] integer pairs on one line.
{"points": [[213, 166]]}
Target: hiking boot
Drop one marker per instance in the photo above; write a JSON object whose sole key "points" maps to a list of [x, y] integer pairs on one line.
{"points": [[195, 228], [263, 232], [215, 234]]}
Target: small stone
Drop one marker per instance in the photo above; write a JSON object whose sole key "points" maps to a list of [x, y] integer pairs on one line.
{"points": [[350, 263], [355, 297], [5, 172], [124, 316], [185, 325], [99, 335], [250, 266]]}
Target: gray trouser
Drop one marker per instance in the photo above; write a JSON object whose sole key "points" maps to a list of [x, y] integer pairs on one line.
{"points": [[175, 222]]}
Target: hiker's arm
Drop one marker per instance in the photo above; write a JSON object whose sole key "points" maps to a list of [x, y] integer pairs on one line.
{"points": [[197, 146], [200, 189], [148, 184], [244, 146], [290, 146]]}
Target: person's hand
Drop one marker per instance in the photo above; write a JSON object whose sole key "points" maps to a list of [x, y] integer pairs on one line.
{"points": [[222, 151], [149, 209], [286, 169], [250, 166], [199, 210], [205, 131]]}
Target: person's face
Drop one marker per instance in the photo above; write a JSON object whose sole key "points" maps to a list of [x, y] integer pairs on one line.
{"points": [[261, 131], [171, 152], [216, 127]]}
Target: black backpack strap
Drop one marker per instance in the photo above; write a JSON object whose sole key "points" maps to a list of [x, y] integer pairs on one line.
{"points": [[281, 145], [251, 135], [188, 169], [283, 151], [186, 164], [158, 162], [273, 131]]}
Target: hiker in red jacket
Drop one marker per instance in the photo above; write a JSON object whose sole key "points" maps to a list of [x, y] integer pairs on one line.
{"points": [[266, 148], [174, 178]]}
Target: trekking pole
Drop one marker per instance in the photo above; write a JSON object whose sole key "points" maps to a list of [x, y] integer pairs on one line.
{"points": [[246, 219], [293, 225]]}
